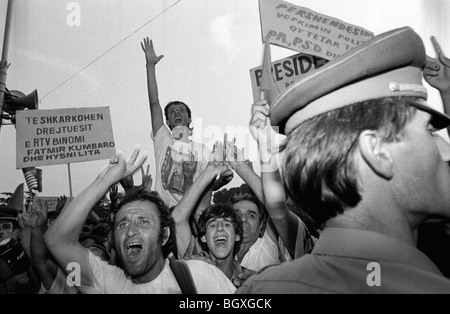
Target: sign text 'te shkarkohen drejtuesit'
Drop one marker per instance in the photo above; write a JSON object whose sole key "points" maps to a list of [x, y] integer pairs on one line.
{"points": [[61, 136]]}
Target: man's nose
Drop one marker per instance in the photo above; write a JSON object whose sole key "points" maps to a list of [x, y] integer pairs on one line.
{"points": [[132, 230], [443, 147]]}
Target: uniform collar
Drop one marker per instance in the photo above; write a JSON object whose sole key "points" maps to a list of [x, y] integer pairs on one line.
{"points": [[376, 247]]}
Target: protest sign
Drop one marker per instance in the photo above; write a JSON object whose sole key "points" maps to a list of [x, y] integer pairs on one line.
{"points": [[48, 202], [286, 71], [61, 136], [307, 31]]}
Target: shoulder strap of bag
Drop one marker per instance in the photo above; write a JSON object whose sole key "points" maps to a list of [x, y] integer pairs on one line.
{"points": [[183, 275]]}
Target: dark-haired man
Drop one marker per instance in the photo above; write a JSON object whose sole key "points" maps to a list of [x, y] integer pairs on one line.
{"points": [[172, 144], [362, 156], [220, 230], [142, 230]]}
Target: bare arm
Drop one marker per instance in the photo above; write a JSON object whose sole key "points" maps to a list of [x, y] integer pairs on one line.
{"points": [[155, 108], [285, 221], [236, 159], [42, 264], [62, 236], [34, 281], [197, 198]]}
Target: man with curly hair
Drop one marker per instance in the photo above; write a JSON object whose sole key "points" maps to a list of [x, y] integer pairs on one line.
{"points": [[220, 230], [142, 230]]}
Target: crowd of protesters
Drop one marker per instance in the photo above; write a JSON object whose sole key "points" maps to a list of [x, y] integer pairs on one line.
{"points": [[364, 178]]}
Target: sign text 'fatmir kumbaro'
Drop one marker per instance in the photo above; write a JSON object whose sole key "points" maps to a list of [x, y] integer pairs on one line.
{"points": [[61, 136], [307, 31]]}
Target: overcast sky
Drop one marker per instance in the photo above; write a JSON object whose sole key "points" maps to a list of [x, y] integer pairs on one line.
{"points": [[209, 48]]}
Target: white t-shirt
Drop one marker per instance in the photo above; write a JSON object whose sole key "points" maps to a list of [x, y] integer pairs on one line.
{"points": [[262, 253], [169, 181], [108, 279], [59, 285], [265, 251]]}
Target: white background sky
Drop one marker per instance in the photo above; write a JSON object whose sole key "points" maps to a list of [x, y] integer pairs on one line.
{"points": [[209, 47]]}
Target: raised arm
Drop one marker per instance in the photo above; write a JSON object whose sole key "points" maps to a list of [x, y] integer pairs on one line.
{"points": [[437, 74], [62, 236], [147, 179], [41, 261], [243, 168], [155, 108], [61, 202], [127, 183], [286, 222], [195, 198]]}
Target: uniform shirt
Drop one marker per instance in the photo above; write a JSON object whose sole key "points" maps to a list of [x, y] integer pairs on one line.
{"points": [[342, 261], [108, 279]]}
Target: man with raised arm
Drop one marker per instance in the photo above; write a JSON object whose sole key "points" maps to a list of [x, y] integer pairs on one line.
{"points": [[142, 230], [172, 144]]}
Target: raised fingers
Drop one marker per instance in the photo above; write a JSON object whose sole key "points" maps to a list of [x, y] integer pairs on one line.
{"points": [[436, 45], [439, 53]]}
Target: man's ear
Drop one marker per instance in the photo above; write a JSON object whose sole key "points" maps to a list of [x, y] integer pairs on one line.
{"points": [[166, 235], [374, 152], [203, 239], [238, 238]]}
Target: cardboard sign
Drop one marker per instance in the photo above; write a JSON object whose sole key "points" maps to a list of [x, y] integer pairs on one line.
{"points": [[61, 136], [307, 31], [47, 202], [286, 71]]}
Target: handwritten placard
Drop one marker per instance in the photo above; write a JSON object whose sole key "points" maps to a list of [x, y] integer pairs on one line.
{"points": [[307, 31], [61, 136]]}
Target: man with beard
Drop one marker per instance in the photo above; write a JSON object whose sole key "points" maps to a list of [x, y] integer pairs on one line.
{"points": [[142, 239]]}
